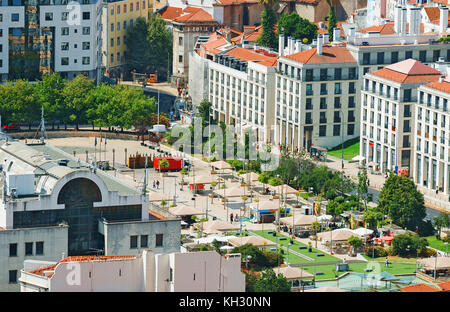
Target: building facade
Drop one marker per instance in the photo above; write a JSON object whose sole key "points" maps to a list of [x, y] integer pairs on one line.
{"points": [[316, 98], [432, 124], [53, 203], [388, 107], [55, 36], [117, 17], [205, 271]]}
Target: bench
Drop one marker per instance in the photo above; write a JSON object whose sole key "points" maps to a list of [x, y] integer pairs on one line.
{"points": [[302, 247], [319, 273], [368, 270], [282, 238], [320, 255]]}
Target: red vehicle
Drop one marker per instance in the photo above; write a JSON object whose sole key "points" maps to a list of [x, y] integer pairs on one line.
{"points": [[12, 126], [175, 163]]}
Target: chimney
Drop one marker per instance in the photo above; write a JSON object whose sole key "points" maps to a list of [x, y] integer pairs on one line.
{"points": [[403, 21], [336, 34], [443, 23], [281, 45], [298, 46], [397, 18], [292, 45], [414, 21], [441, 79], [319, 44]]}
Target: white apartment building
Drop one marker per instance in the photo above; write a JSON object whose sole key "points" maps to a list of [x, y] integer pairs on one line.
{"points": [[316, 97], [66, 37], [432, 121], [53, 203], [388, 105], [241, 89], [205, 271]]}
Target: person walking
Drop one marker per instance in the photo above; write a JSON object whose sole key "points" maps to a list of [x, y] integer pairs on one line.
{"points": [[154, 184], [386, 262], [157, 184], [231, 217]]}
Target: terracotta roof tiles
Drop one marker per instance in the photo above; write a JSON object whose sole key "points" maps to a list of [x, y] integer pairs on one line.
{"points": [[439, 86], [445, 286], [408, 71], [329, 55], [188, 14], [420, 288], [251, 56]]}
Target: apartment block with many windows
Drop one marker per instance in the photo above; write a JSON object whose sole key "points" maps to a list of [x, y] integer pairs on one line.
{"points": [[432, 123], [316, 98], [388, 105], [118, 16]]}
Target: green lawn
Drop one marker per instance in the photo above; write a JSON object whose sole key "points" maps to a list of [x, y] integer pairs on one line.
{"points": [[329, 273], [435, 243], [294, 258], [393, 259], [349, 152]]}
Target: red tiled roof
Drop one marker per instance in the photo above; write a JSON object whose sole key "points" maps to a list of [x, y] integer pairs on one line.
{"points": [[408, 71], [325, 30], [329, 55], [188, 14], [387, 29], [234, 2], [251, 56], [156, 215], [445, 286], [420, 288], [433, 13], [439, 86], [79, 259]]}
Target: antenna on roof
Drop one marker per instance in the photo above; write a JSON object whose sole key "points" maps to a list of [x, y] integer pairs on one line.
{"points": [[41, 128]]}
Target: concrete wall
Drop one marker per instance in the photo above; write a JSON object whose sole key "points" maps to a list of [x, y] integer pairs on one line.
{"points": [[55, 244], [117, 236]]}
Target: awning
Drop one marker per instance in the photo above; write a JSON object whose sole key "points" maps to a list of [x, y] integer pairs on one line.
{"points": [[221, 165]]}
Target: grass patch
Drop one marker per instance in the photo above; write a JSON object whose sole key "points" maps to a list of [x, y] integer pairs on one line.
{"points": [[393, 259], [328, 270], [349, 152], [295, 258], [436, 243]]}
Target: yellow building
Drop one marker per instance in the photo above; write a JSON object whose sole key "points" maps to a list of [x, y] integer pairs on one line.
{"points": [[117, 17]]}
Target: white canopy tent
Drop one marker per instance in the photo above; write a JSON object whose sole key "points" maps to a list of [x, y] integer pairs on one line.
{"points": [[221, 165], [363, 232], [183, 210]]}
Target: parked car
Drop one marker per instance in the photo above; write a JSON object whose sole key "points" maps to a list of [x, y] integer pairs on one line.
{"points": [[12, 126]]}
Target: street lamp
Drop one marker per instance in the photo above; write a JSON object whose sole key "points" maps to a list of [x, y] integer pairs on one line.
{"points": [[373, 248], [446, 246], [287, 254], [247, 260]]}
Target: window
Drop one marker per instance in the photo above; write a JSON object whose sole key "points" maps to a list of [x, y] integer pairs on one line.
{"points": [[137, 6], [124, 8], [64, 61], [112, 42], [337, 88], [112, 10], [423, 56], [366, 58], [394, 57], [336, 130], [49, 16], [159, 240], [13, 250], [1, 17], [408, 55], [112, 27], [86, 16], [14, 17], [86, 30], [180, 58], [380, 58], [64, 46], [13, 276], [180, 41], [39, 248], [131, 7], [118, 41], [143, 5], [133, 241], [322, 131], [64, 16], [407, 95], [118, 56], [86, 45], [350, 129], [118, 9], [28, 249], [144, 240], [131, 23], [337, 74], [118, 26], [124, 24], [351, 101], [86, 60], [112, 58]]}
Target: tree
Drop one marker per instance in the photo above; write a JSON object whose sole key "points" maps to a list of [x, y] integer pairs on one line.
{"points": [[363, 187], [268, 38], [268, 281], [442, 220], [372, 216], [331, 22], [149, 46], [406, 245], [402, 202], [204, 110], [49, 93], [275, 181], [297, 27], [76, 102], [354, 241], [315, 227]]}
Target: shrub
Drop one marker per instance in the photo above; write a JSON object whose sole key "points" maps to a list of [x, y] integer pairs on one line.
{"points": [[390, 251], [241, 171], [427, 252], [378, 251]]}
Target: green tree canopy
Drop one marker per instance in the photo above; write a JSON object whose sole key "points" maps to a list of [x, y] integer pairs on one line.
{"points": [[268, 281], [402, 202], [406, 245], [332, 22], [268, 38], [295, 26]]}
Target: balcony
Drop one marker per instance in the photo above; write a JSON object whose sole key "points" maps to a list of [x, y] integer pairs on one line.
{"points": [[309, 92], [322, 120], [308, 121], [351, 119], [427, 135], [419, 132], [407, 114], [323, 106], [323, 92], [434, 138]]}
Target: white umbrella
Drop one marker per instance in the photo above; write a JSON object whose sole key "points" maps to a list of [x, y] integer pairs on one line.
{"points": [[324, 218], [363, 231], [226, 247]]}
